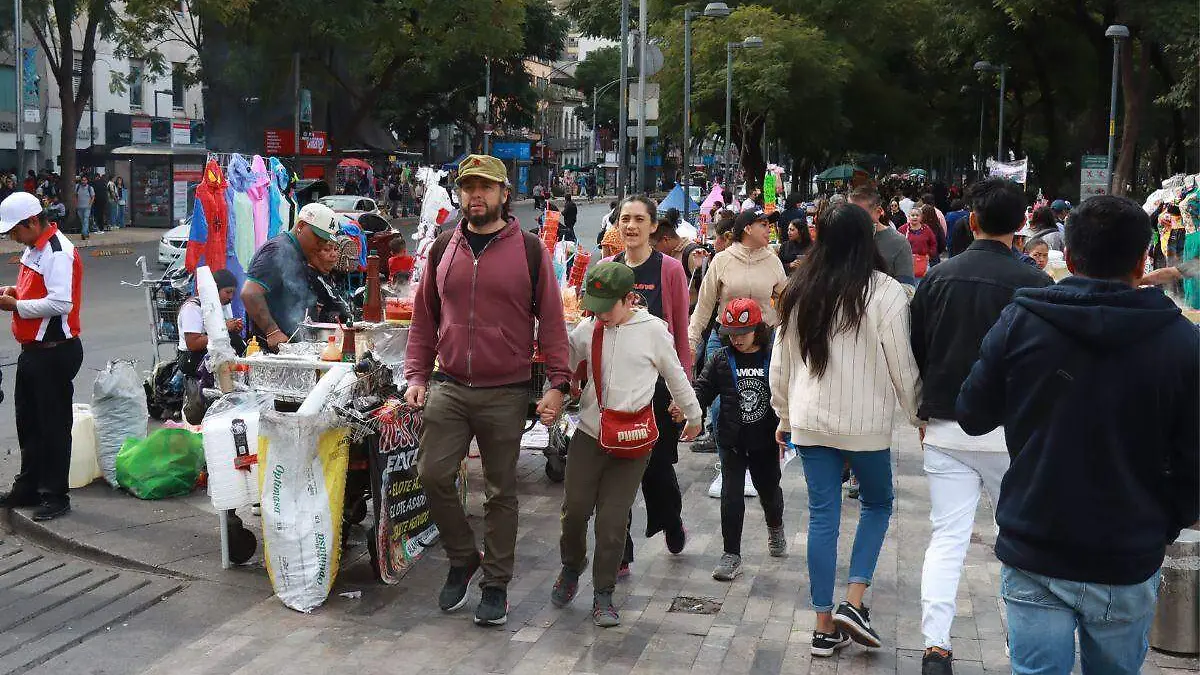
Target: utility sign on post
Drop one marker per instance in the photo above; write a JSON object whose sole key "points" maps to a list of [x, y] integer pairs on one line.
{"points": [[1093, 176]]}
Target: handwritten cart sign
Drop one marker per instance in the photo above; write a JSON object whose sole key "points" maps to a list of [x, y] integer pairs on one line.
{"points": [[1015, 171], [403, 527]]}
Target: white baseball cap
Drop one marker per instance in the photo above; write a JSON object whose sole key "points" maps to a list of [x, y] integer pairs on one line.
{"points": [[320, 218], [17, 207]]}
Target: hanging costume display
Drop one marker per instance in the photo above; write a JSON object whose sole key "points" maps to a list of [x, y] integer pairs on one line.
{"points": [[207, 240], [259, 193]]}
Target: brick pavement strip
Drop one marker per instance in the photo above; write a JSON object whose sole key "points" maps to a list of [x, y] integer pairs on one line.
{"points": [[764, 625]]}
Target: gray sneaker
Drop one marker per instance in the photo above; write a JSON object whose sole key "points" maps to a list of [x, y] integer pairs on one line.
{"points": [[729, 567], [565, 588], [777, 542], [603, 612]]}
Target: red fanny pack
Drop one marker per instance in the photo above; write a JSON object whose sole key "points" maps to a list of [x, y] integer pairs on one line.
{"points": [[624, 435]]}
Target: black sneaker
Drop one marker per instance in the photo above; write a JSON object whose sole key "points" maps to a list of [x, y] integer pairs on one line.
{"points": [[936, 662], [825, 644], [676, 540], [493, 608], [19, 500], [458, 580], [857, 622], [51, 510]]}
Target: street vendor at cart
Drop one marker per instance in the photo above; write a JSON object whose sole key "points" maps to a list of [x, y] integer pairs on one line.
{"points": [[279, 290]]}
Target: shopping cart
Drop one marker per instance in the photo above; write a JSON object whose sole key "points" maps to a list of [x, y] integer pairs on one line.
{"points": [[165, 294], [559, 433]]}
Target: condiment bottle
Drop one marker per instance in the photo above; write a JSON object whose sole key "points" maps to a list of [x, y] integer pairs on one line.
{"points": [[349, 352], [253, 348], [373, 306], [331, 352]]}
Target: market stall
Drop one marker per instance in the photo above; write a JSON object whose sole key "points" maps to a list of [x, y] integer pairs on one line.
{"points": [[318, 433]]}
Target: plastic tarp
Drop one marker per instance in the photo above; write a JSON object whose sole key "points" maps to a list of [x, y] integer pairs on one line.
{"points": [[716, 195], [677, 199], [119, 413]]}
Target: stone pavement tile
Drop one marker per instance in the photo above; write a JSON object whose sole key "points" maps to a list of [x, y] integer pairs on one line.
{"points": [[1168, 662]]}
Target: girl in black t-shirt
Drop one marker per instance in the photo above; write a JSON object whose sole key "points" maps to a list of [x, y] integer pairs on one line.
{"points": [[737, 375]]}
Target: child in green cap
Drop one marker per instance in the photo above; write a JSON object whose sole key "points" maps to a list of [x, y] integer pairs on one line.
{"points": [[633, 349]]}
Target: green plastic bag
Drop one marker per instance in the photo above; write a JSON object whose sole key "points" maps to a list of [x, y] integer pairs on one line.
{"points": [[165, 464]]}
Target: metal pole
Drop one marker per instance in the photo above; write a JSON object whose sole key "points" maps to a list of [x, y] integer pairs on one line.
{"points": [[979, 164], [20, 70], [623, 118], [1112, 113], [687, 107], [593, 151], [1000, 130], [295, 111], [728, 112], [487, 105], [643, 34]]}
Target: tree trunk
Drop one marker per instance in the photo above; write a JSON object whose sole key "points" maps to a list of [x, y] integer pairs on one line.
{"points": [[1133, 81], [66, 146], [750, 144]]}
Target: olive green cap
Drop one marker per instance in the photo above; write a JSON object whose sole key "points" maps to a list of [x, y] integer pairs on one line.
{"points": [[484, 166], [606, 284]]}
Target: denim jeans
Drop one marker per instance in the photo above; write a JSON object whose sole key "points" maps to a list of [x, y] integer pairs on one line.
{"points": [[714, 411], [1044, 613], [823, 473], [85, 219]]}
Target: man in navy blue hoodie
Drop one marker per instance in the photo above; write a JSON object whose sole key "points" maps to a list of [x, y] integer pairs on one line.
{"points": [[1097, 385]]}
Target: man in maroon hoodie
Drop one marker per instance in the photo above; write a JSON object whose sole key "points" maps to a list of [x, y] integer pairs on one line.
{"points": [[474, 312]]}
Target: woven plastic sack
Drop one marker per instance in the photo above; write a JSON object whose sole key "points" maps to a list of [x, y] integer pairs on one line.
{"points": [[119, 411], [166, 464]]}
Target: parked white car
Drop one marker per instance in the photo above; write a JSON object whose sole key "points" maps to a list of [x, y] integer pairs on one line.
{"points": [[172, 246]]}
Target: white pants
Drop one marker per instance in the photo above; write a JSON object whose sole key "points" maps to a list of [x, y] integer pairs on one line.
{"points": [[955, 478]]}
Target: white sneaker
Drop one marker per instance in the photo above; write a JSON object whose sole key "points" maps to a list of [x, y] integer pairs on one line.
{"points": [[748, 488], [714, 488]]}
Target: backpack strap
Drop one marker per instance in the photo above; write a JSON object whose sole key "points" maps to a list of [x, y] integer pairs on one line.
{"points": [[597, 349], [533, 258], [435, 259]]}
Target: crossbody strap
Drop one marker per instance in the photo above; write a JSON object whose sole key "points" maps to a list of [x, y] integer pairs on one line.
{"points": [[597, 349], [733, 364]]}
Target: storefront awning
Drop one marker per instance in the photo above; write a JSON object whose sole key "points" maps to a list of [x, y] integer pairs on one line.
{"points": [[159, 149]]}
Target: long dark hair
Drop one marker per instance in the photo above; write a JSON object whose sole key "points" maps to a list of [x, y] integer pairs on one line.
{"points": [[828, 293]]}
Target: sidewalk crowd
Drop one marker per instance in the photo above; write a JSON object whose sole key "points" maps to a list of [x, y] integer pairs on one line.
{"points": [[1010, 378], [1070, 406]]}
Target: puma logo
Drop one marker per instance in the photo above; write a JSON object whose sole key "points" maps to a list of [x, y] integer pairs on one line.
{"points": [[639, 433]]}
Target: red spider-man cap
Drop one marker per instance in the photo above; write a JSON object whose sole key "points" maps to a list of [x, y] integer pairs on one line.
{"points": [[741, 315]]}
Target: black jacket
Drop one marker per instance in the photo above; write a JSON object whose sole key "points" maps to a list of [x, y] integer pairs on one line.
{"points": [[1106, 463], [716, 381], [954, 307]]}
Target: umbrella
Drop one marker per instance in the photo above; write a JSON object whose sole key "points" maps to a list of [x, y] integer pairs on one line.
{"points": [[839, 172]]}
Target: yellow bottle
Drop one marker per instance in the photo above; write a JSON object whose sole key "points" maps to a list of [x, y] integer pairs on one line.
{"points": [[253, 348], [332, 351]]}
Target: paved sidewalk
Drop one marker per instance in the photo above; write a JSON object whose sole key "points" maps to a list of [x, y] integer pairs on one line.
{"points": [[126, 236], [763, 625]]}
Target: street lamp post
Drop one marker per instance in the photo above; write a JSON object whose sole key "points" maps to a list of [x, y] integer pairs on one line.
{"points": [[19, 63], [595, 98], [749, 43], [713, 10], [1116, 33], [986, 67], [623, 117], [487, 105]]}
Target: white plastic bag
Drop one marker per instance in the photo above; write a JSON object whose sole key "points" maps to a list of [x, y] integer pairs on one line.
{"points": [[232, 421], [302, 460], [119, 412]]}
